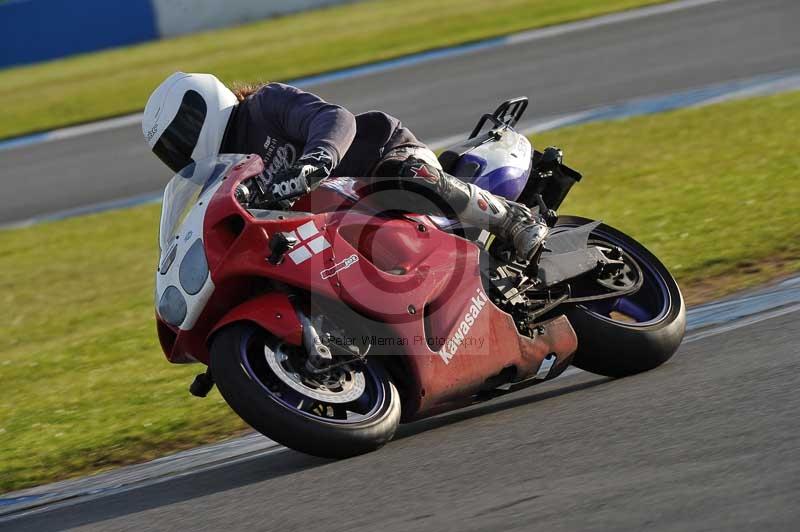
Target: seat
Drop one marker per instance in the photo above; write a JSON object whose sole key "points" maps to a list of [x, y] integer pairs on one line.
{"points": [[451, 158]]}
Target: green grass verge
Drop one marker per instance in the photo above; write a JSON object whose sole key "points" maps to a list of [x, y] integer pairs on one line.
{"points": [[712, 191], [109, 83]]}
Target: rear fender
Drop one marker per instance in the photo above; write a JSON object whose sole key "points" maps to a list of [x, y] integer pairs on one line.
{"points": [[272, 312]]}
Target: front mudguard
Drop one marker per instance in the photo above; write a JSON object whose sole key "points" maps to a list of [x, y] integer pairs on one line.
{"points": [[272, 312]]}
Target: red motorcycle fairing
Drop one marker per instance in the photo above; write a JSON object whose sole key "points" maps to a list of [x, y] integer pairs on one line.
{"points": [[420, 286], [273, 312]]}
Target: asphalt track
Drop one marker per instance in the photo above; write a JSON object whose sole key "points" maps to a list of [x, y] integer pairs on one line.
{"points": [[708, 441], [563, 73]]}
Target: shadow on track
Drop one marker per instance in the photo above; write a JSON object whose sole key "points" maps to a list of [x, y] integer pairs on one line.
{"points": [[497, 404], [250, 471]]}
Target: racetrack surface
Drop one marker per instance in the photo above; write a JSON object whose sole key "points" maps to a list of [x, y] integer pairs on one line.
{"points": [[707, 441], [720, 41]]}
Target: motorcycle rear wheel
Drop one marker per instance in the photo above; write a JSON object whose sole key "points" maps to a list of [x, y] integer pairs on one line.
{"points": [[307, 424], [629, 334]]}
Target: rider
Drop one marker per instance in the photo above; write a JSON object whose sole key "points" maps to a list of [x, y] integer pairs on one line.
{"points": [[304, 140]]}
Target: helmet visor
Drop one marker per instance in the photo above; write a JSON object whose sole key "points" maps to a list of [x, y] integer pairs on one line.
{"points": [[177, 142]]}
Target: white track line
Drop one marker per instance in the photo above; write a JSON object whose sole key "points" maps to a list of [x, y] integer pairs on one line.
{"points": [[391, 64], [606, 20]]}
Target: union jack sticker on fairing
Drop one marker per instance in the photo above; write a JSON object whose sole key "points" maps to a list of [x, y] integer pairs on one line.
{"points": [[310, 241]]}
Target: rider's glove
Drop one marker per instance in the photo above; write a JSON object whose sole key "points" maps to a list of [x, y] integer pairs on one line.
{"points": [[297, 179]]}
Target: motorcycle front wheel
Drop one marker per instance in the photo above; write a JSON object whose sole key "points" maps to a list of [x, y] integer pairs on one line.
{"points": [[632, 333], [352, 410]]}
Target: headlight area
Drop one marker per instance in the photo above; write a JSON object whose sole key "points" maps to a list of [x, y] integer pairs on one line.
{"points": [[193, 271], [192, 276], [172, 306]]}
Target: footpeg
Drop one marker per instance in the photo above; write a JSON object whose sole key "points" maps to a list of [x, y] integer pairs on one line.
{"points": [[545, 367], [201, 385]]}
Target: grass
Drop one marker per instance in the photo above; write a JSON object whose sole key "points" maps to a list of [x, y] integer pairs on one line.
{"points": [[118, 81], [86, 385], [712, 191]]}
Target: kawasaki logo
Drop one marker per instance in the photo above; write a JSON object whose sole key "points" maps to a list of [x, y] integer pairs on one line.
{"points": [[451, 345]]}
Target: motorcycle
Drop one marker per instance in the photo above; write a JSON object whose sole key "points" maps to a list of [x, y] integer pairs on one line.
{"points": [[326, 324]]}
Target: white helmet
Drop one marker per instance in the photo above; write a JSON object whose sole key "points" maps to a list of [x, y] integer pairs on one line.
{"points": [[185, 118]]}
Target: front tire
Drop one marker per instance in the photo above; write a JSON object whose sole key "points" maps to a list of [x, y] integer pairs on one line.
{"points": [[611, 346], [247, 386]]}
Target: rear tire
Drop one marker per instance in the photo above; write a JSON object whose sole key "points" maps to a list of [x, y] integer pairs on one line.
{"points": [[266, 413], [615, 348]]}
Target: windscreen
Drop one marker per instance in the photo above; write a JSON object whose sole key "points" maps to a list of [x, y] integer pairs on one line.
{"points": [[184, 190]]}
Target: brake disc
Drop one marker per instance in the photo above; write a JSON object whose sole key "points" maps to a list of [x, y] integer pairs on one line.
{"points": [[343, 384]]}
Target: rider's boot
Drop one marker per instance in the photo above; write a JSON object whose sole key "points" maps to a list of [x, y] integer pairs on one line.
{"points": [[475, 206]]}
